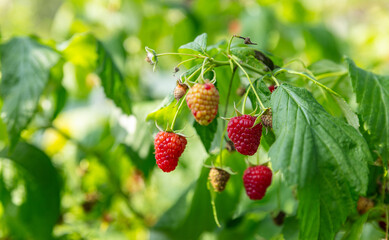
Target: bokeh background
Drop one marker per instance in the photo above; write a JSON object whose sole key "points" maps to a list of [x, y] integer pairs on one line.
{"points": [[122, 196]]}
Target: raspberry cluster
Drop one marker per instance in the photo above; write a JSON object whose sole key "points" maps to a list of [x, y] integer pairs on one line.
{"points": [[168, 148], [203, 101]]}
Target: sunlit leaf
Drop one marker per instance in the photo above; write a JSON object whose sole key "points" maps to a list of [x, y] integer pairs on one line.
{"points": [[112, 79], [372, 93], [198, 45], [81, 50], [25, 66], [165, 113]]}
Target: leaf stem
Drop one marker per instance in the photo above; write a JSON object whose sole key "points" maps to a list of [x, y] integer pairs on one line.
{"points": [[202, 69], [229, 90], [229, 45], [225, 114], [181, 54], [254, 69], [309, 77], [251, 84], [330, 74], [192, 75], [275, 80], [187, 60], [387, 221], [214, 211], [383, 187]]}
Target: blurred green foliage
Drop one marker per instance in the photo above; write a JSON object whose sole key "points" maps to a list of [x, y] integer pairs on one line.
{"points": [[104, 154]]}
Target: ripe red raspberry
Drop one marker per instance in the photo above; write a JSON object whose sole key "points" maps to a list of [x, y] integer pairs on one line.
{"points": [[203, 101], [272, 88], [245, 138], [256, 180], [218, 178], [168, 148]]}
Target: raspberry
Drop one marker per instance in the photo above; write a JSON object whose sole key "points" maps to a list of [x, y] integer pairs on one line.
{"points": [[219, 179], [256, 180], [203, 101], [245, 138], [267, 119], [272, 88], [180, 90], [168, 148]]}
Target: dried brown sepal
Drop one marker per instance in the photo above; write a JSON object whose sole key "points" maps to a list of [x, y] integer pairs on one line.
{"points": [[247, 41], [90, 201], [267, 119], [279, 219], [218, 178], [230, 146], [364, 205], [180, 90], [240, 91]]}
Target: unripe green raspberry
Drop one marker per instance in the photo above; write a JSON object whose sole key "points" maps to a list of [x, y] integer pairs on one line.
{"points": [[203, 101]]}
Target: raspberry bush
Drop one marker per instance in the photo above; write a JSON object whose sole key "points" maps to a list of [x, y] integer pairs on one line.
{"points": [[246, 144], [319, 148]]}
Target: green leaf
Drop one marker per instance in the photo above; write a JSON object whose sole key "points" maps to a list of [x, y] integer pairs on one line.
{"points": [[35, 216], [26, 66], [60, 97], [112, 79], [165, 112], [348, 113], [81, 50], [223, 82], [146, 164], [177, 212], [322, 43], [263, 93], [253, 57], [267, 139], [198, 45], [331, 100], [334, 76], [206, 133], [372, 92], [326, 66], [355, 231], [323, 155]]}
